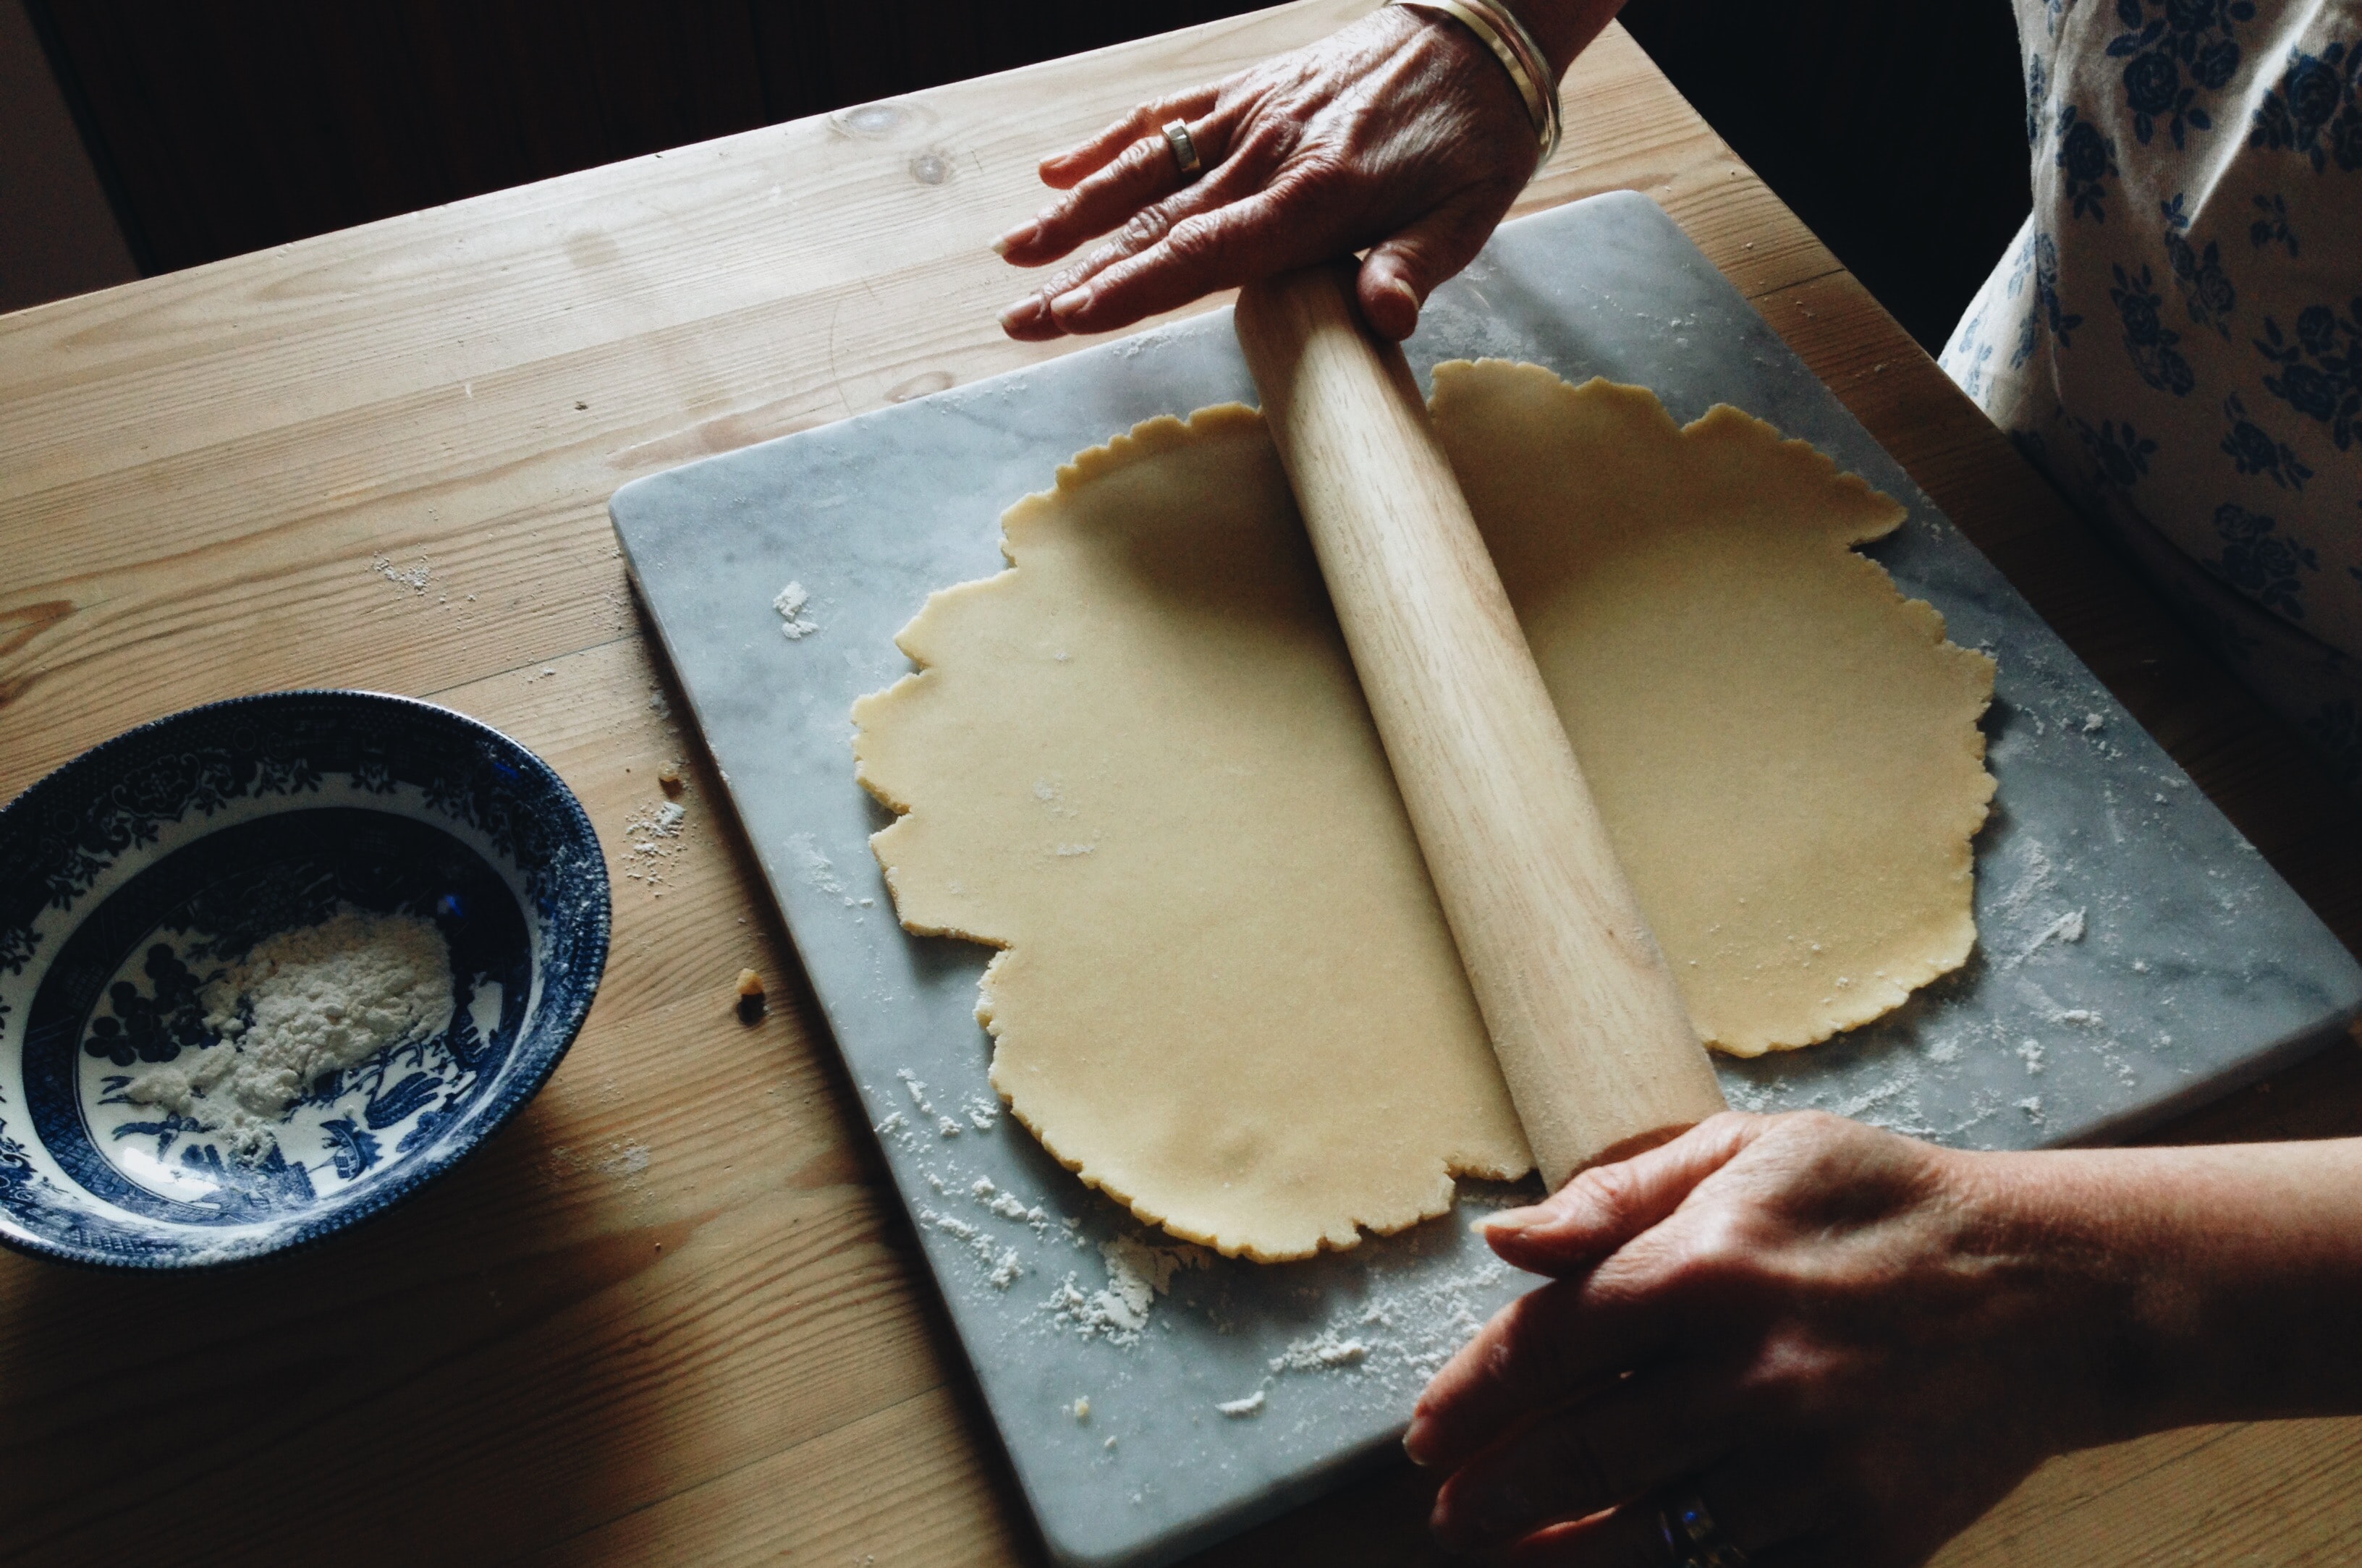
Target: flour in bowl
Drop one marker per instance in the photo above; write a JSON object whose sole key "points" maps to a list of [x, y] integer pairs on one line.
{"points": [[302, 1006]]}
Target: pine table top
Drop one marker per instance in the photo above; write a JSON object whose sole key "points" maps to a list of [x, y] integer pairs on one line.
{"points": [[673, 1314]]}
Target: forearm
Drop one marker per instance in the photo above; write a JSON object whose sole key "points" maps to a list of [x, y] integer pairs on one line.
{"points": [[2219, 1283]]}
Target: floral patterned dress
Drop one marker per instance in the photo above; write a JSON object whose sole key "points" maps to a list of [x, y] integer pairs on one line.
{"points": [[2175, 336]]}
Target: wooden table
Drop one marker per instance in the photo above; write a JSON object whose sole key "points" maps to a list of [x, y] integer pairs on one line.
{"points": [[673, 1314]]}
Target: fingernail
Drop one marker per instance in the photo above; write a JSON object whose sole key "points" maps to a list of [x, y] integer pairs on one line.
{"points": [[1414, 1442], [1024, 234], [1070, 302], [1511, 1221], [1023, 310]]}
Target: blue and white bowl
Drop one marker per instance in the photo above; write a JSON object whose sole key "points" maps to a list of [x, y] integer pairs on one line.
{"points": [[150, 861]]}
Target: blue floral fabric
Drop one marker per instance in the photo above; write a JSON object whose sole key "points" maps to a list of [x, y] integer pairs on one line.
{"points": [[2175, 336]]}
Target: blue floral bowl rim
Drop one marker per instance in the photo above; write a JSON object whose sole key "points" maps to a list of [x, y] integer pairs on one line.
{"points": [[538, 1052]]}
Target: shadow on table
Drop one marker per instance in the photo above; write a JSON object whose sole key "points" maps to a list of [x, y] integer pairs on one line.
{"points": [[430, 1385]]}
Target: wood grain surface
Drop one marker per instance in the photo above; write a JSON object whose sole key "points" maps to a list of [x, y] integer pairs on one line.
{"points": [[671, 1314]]}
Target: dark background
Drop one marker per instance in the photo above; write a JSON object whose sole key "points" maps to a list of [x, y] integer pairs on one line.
{"points": [[1894, 127]]}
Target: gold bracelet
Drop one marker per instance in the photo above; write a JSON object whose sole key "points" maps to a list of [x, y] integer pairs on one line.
{"points": [[1499, 30]]}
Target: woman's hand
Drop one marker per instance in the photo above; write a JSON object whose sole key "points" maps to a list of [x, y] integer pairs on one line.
{"points": [[1400, 133], [1846, 1343]]}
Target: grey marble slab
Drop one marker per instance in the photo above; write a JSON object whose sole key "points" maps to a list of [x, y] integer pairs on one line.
{"points": [[2136, 955]]}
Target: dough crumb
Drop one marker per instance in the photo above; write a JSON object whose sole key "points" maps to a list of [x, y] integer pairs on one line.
{"points": [[1237, 1408], [1083, 1408], [751, 998], [790, 601]]}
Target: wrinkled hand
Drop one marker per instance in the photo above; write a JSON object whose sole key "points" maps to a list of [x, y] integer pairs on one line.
{"points": [[1850, 1344], [1398, 132]]}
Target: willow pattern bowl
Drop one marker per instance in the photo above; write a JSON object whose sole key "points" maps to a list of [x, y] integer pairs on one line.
{"points": [[161, 858]]}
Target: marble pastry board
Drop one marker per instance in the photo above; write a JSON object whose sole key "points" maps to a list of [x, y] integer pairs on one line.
{"points": [[2136, 955]]}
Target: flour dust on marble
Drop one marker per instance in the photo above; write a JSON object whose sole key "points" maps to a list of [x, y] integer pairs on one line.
{"points": [[1106, 1280]]}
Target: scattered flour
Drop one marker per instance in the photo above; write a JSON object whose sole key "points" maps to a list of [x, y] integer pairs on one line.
{"points": [[2030, 1052], [629, 1159], [2018, 905], [1002, 1268], [2069, 927], [1322, 1353], [1438, 1316], [944, 1125], [302, 1006], [412, 578], [794, 624], [1385, 1350], [1137, 1275], [820, 871], [652, 843]]}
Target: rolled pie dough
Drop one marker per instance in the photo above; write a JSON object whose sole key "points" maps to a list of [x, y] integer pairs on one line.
{"points": [[1137, 763]]}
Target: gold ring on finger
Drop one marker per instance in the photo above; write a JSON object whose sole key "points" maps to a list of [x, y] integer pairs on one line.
{"points": [[1185, 150]]}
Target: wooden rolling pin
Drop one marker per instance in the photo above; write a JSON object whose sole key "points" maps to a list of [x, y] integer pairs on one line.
{"points": [[1591, 1032]]}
